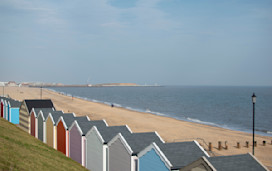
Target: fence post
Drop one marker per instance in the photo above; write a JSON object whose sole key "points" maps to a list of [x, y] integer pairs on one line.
{"points": [[210, 146], [238, 144]]}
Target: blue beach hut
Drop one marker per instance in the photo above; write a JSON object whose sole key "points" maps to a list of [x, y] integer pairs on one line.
{"points": [[123, 150], [13, 111], [169, 156]]}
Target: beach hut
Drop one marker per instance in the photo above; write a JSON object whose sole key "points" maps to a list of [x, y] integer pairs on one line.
{"points": [[25, 109], [43, 113], [63, 124], [97, 140], [123, 150], [14, 107], [3, 102], [2, 106], [51, 129], [242, 162], [77, 132], [169, 156], [34, 121], [201, 164], [5, 109], [62, 136], [8, 100]]}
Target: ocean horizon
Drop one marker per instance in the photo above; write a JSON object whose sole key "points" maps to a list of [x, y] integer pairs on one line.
{"points": [[227, 107]]}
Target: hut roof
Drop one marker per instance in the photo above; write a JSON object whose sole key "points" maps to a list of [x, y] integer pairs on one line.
{"points": [[38, 104], [3, 98], [56, 115], [180, 154], [236, 162], [45, 111], [108, 133], [68, 118], [139, 141], [14, 103], [85, 126]]}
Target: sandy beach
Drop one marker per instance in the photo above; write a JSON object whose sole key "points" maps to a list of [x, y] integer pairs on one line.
{"points": [[171, 130]]}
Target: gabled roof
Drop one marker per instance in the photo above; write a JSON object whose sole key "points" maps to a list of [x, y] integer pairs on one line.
{"points": [[180, 154], [85, 126], [107, 133], [44, 112], [202, 163], [138, 141], [157, 149], [67, 119], [55, 115], [14, 103], [244, 162], [3, 98], [38, 104]]}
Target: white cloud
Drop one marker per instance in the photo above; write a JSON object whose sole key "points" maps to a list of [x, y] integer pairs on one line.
{"points": [[41, 12]]}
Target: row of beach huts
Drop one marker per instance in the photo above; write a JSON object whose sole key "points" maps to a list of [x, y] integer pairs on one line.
{"points": [[100, 147]]}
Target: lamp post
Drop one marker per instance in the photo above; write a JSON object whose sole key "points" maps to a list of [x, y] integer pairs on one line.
{"points": [[41, 92], [253, 101]]}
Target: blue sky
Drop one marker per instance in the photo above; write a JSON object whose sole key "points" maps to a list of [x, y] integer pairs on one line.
{"points": [[169, 42]]}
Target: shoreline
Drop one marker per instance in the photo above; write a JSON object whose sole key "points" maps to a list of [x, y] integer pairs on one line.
{"points": [[170, 129], [206, 123]]}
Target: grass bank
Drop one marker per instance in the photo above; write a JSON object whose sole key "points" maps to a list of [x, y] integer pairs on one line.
{"points": [[21, 151]]}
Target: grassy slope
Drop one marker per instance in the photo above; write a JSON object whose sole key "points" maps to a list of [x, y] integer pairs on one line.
{"points": [[21, 151]]}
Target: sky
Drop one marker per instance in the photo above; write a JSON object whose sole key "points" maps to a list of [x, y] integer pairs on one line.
{"points": [[168, 42]]}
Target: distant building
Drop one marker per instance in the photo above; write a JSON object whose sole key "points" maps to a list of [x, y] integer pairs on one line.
{"points": [[12, 84], [24, 85]]}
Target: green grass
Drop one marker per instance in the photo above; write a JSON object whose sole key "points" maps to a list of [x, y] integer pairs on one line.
{"points": [[21, 151]]}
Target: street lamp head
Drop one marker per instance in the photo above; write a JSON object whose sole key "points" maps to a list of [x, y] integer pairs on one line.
{"points": [[253, 98]]}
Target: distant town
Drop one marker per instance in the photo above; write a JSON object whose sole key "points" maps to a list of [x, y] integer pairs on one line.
{"points": [[41, 84]]}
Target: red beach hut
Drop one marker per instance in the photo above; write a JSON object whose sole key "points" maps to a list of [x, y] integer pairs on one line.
{"points": [[62, 135], [33, 122], [2, 108]]}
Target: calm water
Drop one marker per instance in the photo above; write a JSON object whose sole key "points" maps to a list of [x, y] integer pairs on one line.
{"points": [[227, 107]]}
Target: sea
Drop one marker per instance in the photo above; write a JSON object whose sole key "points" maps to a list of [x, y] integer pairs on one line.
{"points": [[222, 106]]}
